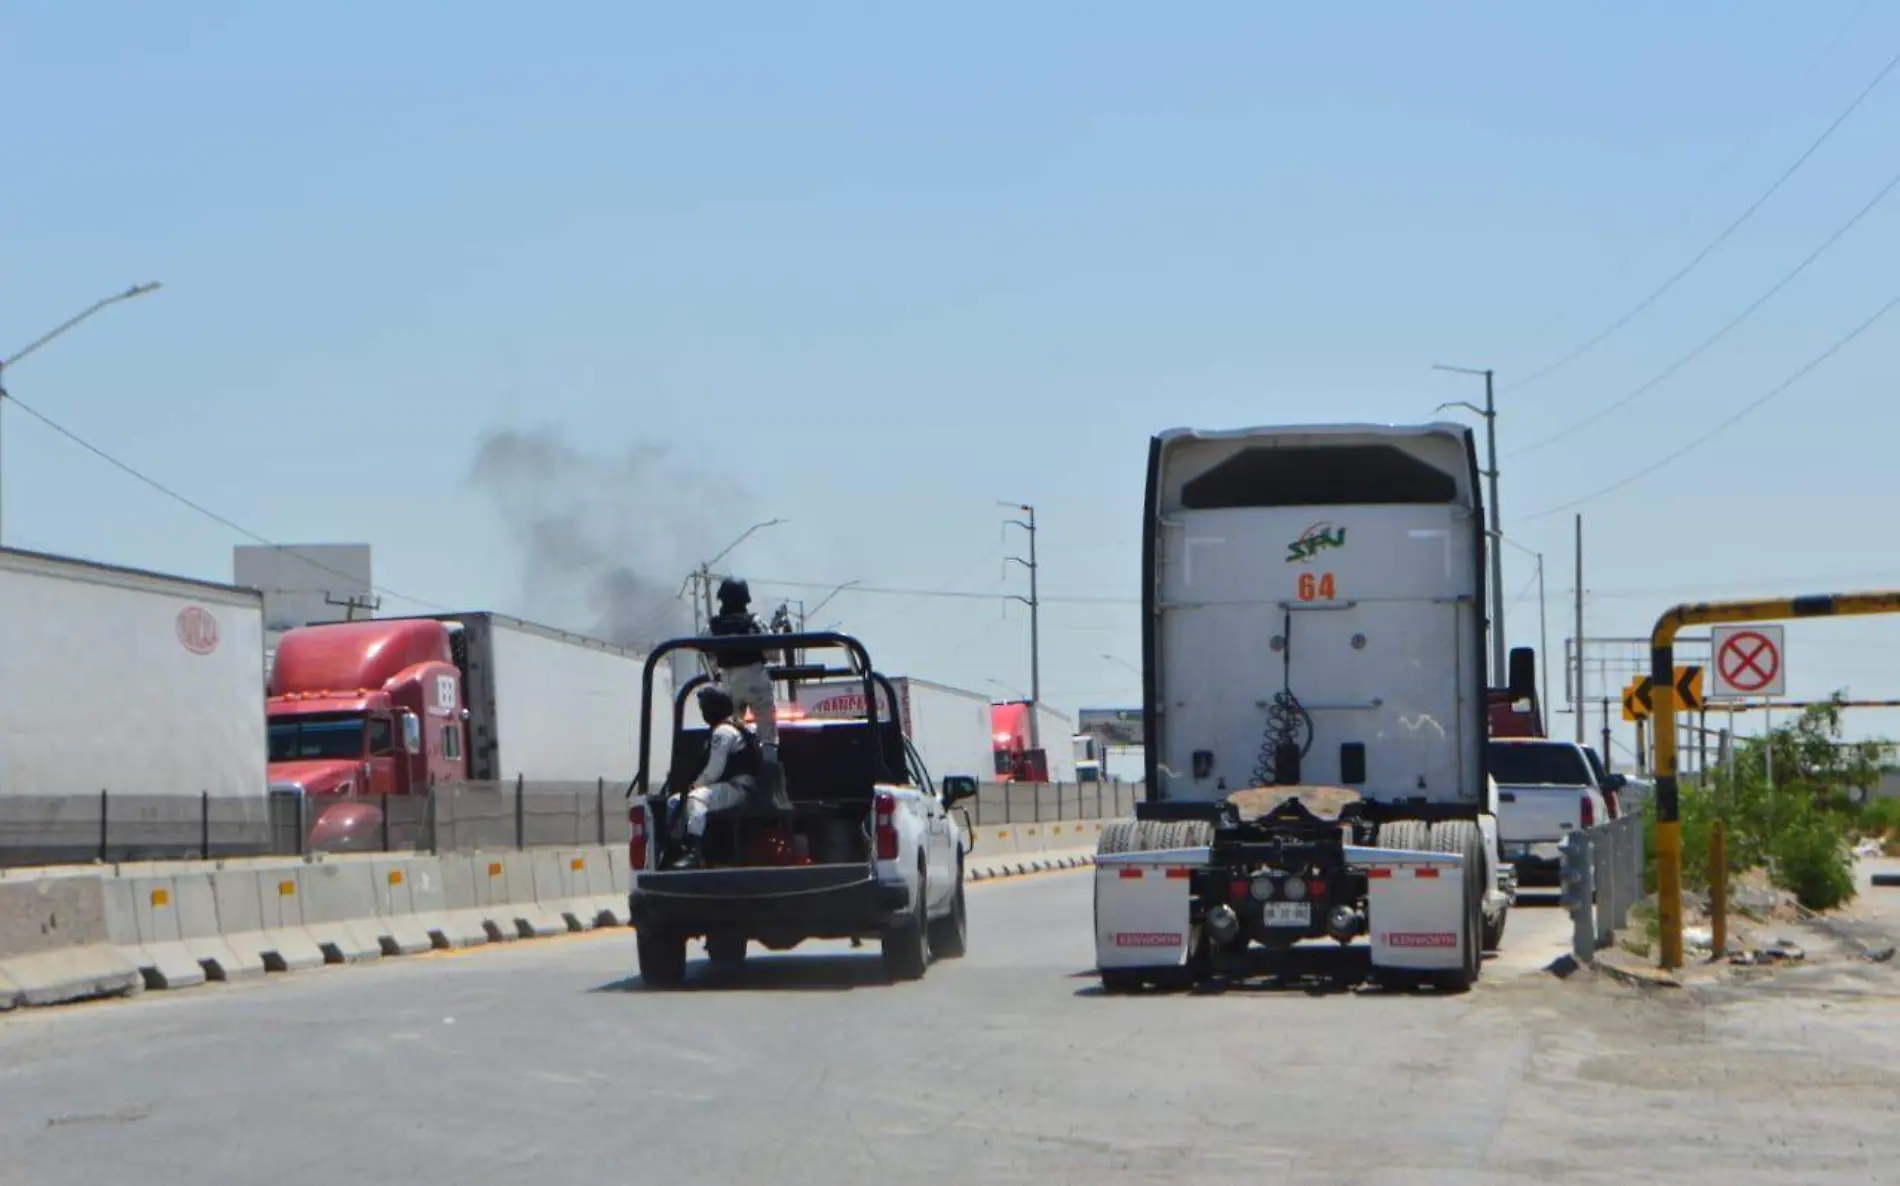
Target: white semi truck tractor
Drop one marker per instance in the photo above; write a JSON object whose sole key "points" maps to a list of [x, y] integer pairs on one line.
{"points": [[1313, 636]]}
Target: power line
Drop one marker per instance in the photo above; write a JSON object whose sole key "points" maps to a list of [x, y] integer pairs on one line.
{"points": [[1723, 332], [199, 507], [1729, 161], [1748, 142], [1746, 410], [888, 591], [1720, 239]]}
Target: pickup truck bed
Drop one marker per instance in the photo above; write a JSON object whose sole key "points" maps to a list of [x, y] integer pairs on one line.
{"points": [[1546, 790]]}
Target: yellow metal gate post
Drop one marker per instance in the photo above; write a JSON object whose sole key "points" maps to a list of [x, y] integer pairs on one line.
{"points": [[1718, 890], [1662, 694]]}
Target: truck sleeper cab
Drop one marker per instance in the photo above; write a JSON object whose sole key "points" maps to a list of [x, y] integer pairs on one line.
{"points": [[1314, 636], [868, 848]]}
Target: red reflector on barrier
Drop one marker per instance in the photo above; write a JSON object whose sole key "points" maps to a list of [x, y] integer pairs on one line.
{"points": [[1379, 872], [1425, 871], [1131, 875], [1180, 874]]}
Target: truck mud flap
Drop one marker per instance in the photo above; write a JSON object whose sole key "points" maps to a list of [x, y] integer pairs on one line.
{"points": [[1142, 912], [1416, 908]]}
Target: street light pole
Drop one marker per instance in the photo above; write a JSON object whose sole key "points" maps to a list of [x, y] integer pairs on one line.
{"points": [[804, 613], [1490, 414], [137, 290], [700, 578], [1034, 603]]}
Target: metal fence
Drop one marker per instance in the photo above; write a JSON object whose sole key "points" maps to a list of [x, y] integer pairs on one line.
{"points": [[1603, 870], [451, 817]]}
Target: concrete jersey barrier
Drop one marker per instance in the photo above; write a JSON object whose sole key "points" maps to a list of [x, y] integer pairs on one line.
{"points": [[73, 932], [55, 945]]}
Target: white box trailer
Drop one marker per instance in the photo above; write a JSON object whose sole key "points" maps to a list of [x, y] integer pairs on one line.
{"points": [[949, 727], [1313, 635], [140, 685], [1057, 732], [549, 706]]}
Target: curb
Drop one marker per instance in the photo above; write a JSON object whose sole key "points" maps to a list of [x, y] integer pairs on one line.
{"points": [[1033, 865]]}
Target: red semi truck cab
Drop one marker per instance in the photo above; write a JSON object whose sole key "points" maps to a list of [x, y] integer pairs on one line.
{"points": [[366, 708], [1009, 737]]}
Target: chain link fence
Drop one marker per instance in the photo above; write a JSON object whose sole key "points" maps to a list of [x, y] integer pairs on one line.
{"points": [[114, 827]]}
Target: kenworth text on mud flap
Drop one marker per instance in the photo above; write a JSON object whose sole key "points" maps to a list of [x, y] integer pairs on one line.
{"points": [[1314, 706], [862, 846]]}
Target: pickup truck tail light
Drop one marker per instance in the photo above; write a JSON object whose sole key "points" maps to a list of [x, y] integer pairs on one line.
{"points": [[1589, 813], [637, 832], [884, 821]]}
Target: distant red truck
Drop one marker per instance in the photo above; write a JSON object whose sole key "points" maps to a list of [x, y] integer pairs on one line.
{"points": [[1519, 716], [390, 706]]}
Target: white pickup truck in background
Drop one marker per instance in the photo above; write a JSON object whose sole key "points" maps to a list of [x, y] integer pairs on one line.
{"points": [[1546, 790]]}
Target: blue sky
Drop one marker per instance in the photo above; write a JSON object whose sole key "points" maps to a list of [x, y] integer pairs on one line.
{"points": [[899, 266]]}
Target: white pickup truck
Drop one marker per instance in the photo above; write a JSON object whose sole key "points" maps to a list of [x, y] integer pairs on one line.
{"points": [[863, 846], [1546, 790]]}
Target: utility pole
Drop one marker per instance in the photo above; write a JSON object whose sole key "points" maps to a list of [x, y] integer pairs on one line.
{"points": [[1034, 602], [1606, 719], [137, 290], [352, 603], [1490, 414]]}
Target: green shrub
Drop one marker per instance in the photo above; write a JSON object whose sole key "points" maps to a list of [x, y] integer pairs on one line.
{"points": [[1881, 819], [1800, 825], [1811, 858]]}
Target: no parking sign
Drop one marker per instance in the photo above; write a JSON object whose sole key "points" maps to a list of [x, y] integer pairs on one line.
{"points": [[1748, 661]]}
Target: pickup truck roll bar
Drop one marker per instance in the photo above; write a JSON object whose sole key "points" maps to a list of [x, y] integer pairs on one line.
{"points": [[860, 668]]}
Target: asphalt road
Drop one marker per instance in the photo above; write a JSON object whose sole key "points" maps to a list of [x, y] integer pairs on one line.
{"points": [[544, 1063]]}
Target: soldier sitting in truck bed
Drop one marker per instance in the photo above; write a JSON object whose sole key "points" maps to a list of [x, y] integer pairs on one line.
{"points": [[727, 780]]}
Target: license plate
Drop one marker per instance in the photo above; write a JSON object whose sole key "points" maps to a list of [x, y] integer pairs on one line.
{"points": [[1289, 914]]}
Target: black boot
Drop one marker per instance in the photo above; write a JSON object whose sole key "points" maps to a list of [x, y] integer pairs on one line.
{"points": [[773, 778], [690, 856]]}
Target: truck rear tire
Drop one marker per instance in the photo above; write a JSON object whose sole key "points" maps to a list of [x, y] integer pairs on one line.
{"points": [[949, 935], [662, 958], [1462, 837], [1119, 836], [1494, 930], [907, 945], [1405, 834]]}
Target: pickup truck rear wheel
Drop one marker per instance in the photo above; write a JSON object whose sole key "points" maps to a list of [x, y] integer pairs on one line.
{"points": [[949, 935], [1494, 929], [907, 945], [662, 957]]}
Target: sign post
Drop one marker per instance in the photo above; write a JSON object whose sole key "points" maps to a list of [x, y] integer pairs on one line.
{"points": [[1743, 667]]}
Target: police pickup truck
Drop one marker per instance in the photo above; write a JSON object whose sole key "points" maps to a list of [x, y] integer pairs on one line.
{"points": [[862, 846]]}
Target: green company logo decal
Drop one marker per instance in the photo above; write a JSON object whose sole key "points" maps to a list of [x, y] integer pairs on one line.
{"points": [[1314, 540]]}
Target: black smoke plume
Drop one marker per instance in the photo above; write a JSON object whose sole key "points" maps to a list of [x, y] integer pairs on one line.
{"points": [[603, 541]]}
